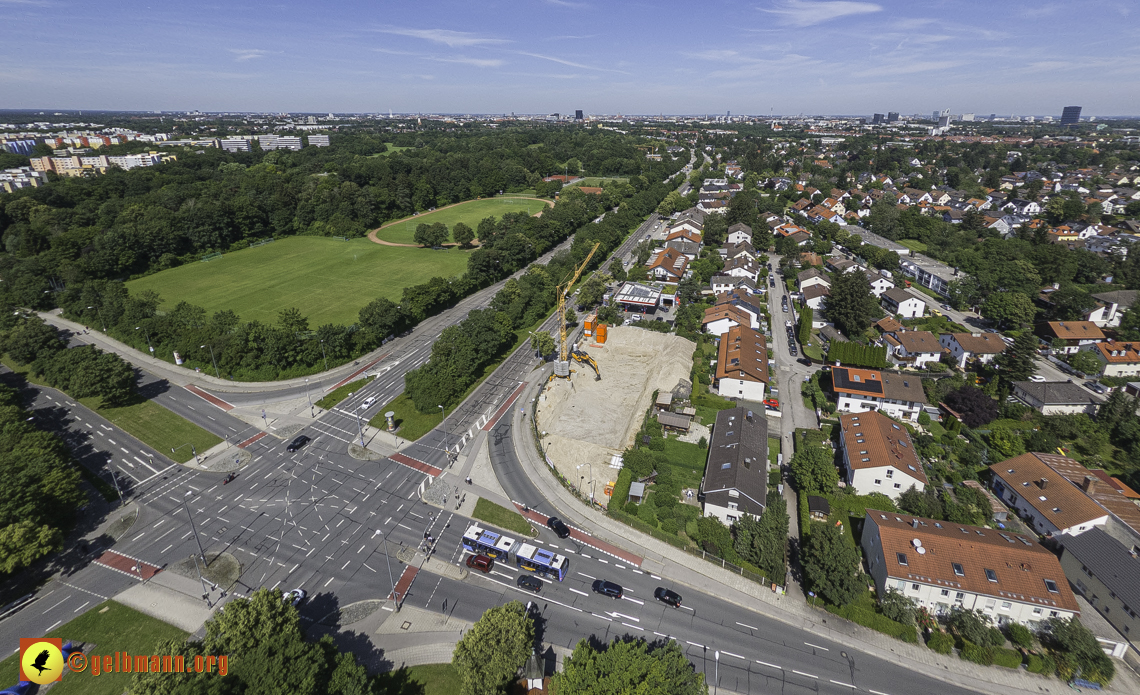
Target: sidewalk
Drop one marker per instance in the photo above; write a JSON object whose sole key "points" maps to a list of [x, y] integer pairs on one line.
{"points": [[177, 375], [662, 558]]}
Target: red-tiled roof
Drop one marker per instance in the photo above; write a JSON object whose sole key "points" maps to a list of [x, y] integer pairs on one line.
{"points": [[881, 441]]}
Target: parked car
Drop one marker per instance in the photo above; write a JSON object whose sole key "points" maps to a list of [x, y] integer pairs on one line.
{"points": [[294, 597], [1036, 378], [1096, 387], [480, 562], [298, 442], [772, 402], [670, 598], [605, 588], [529, 582], [560, 529]]}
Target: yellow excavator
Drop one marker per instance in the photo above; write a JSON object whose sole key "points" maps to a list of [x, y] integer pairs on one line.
{"points": [[581, 356], [562, 364]]}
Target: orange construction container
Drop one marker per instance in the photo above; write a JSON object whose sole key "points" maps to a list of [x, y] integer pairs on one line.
{"points": [[601, 331], [590, 324]]}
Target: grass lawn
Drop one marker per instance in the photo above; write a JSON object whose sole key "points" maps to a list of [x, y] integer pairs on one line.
{"points": [[773, 450], [470, 213], [596, 181], [327, 279], [709, 404], [914, 245], [412, 423], [502, 517], [145, 420], [687, 461], [109, 627], [428, 679], [391, 148], [342, 393]]}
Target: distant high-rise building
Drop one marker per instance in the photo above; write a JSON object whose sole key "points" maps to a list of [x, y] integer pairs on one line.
{"points": [[967, 117], [1070, 116], [578, 114], [877, 119], [319, 140], [944, 120], [892, 116]]}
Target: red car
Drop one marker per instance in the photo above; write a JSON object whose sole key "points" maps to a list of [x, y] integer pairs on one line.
{"points": [[772, 403], [480, 562]]}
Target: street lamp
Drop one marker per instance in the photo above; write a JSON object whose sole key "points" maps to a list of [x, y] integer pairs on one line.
{"points": [[387, 559], [147, 334], [307, 395], [716, 680], [443, 413], [99, 313], [216, 362], [193, 528], [325, 355], [192, 450], [581, 478]]}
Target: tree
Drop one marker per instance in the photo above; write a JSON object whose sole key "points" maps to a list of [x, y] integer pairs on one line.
{"points": [[493, 650], [804, 332], [971, 625], [542, 343], [431, 235], [592, 291], [1005, 442], [629, 666], [813, 470], [617, 270], [32, 338], [975, 407], [381, 318], [1085, 362], [831, 564], [1016, 362], [898, 607], [462, 234], [292, 320], [1009, 308], [1070, 303], [851, 306], [24, 542], [1130, 323], [1077, 650]]}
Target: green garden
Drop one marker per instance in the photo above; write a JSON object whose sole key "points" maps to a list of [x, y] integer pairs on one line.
{"points": [[469, 213], [326, 279]]}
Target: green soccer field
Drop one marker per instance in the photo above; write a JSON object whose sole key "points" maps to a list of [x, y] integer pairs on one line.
{"points": [[470, 213], [328, 280]]}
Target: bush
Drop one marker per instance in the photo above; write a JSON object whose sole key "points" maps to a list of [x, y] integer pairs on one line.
{"points": [[1019, 635], [703, 443], [879, 623], [976, 654], [996, 638], [670, 526], [1041, 663], [941, 642], [805, 515], [1008, 658], [630, 508], [924, 419]]}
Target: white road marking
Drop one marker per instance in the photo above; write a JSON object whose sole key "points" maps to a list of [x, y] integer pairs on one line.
{"points": [[112, 441], [167, 548], [695, 644], [634, 627], [587, 576], [805, 674], [583, 593], [849, 685], [81, 607], [817, 646], [655, 577], [876, 692], [627, 617], [765, 663], [633, 600], [731, 654], [329, 581]]}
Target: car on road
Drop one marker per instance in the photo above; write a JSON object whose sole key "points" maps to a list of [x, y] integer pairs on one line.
{"points": [[368, 403], [669, 598], [807, 363], [560, 529], [529, 582], [294, 597], [605, 588], [788, 323], [785, 307], [1096, 387], [1037, 378], [298, 442], [480, 562], [946, 307], [936, 312]]}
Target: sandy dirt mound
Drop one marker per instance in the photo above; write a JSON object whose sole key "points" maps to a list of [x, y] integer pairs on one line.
{"points": [[588, 422]]}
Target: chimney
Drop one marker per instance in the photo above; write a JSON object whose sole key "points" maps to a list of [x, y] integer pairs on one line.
{"points": [[1043, 483], [914, 523], [1089, 486]]}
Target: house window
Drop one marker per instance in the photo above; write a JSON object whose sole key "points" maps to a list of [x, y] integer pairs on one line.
{"points": [[732, 506], [900, 584], [1053, 614], [1006, 605], [992, 576], [878, 481], [958, 569], [734, 493], [898, 486], [1051, 586], [945, 592], [901, 558], [959, 596], [1036, 611], [730, 518], [914, 587], [890, 473], [990, 603]]}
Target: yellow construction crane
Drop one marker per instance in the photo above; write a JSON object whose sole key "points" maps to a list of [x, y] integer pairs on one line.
{"points": [[562, 365]]}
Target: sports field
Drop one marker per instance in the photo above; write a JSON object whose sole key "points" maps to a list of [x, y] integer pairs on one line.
{"points": [[470, 213], [596, 181], [327, 279]]}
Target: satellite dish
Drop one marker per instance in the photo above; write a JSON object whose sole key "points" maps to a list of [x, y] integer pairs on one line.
{"points": [[921, 550], [917, 543]]}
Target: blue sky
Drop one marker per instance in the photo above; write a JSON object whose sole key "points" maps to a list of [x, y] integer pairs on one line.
{"points": [[539, 56]]}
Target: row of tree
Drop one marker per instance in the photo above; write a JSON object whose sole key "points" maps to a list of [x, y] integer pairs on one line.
{"points": [[81, 372]]}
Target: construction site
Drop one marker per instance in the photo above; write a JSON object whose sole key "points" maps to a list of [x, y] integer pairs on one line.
{"points": [[587, 422]]}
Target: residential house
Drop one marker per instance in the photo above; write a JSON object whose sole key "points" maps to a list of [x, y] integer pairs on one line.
{"points": [[801, 238], [821, 214], [669, 265], [913, 348], [888, 324], [1107, 573], [722, 282], [878, 455], [815, 296], [864, 390], [842, 265], [1009, 577], [879, 283], [812, 276], [1056, 397], [684, 232], [1043, 497], [914, 196], [983, 347], [900, 302], [742, 267], [1070, 335], [1117, 358], [719, 319], [742, 365], [1111, 306], [745, 301], [742, 249], [736, 474], [739, 233], [687, 248], [713, 207]]}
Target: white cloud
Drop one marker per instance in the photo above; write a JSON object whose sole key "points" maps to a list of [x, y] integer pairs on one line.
{"points": [[244, 54], [570, 63], [478, 62], [567, 3], [804, 13], [445, 36]]}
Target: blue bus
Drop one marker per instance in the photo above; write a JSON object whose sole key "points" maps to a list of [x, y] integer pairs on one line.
{"points": [[489, 543], [542, 561]]}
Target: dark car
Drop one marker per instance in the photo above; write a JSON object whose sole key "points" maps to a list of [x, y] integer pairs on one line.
{"points": [[605, 588], [480, 562], [529, 582], [671, 598], [297, 443], [805, 361], [560, 529]]}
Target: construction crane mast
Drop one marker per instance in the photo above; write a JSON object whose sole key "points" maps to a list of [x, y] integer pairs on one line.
{"points": [[562, 366]]}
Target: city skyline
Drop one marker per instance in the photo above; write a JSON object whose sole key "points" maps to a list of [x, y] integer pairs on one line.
{"points": [[776, 56]]}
